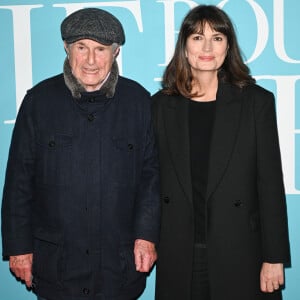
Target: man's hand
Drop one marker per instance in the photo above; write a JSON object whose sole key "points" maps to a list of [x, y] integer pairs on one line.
{"points": [[271, 277], [144, 255], [21, 266]]}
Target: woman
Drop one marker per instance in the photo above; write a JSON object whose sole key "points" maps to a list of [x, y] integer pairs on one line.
{"points": [[224, 229]]}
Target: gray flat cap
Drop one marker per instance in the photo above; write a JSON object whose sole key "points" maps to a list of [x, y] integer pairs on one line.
{"points": [[92, 23]]}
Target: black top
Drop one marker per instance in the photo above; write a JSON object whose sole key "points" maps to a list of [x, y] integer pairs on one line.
{"points": [[201, 116]]}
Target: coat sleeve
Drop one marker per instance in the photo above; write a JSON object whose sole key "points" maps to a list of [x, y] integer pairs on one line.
{"points": [[18, 187], [147, 223], [271, 193]]}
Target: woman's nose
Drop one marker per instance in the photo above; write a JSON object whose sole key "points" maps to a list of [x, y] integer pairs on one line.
{"points": [[207, 46]]}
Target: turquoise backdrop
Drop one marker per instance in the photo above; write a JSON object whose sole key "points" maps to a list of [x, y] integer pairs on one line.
{"points": [[268, 31]]}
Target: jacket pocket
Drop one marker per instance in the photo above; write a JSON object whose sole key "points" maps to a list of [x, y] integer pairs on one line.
{"points": [[47, 256], [125, 160], [255, 221], [130, 275], [54, 154]]}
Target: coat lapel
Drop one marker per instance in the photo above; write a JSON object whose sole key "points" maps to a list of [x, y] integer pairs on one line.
{"points": [[177, 131], [227, 118]]}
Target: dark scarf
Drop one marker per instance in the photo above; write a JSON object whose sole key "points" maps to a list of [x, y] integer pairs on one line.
{"points": [[108, 88]]}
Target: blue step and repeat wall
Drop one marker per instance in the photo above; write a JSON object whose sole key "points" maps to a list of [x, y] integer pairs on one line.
{"points": [[268, 31]]}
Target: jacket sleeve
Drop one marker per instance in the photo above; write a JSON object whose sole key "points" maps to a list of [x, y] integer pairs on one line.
{"points": [[272, 202], [147, 223], [18, 187]]}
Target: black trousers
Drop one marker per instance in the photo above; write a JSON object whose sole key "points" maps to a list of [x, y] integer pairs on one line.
{"points": [[200, 282]]}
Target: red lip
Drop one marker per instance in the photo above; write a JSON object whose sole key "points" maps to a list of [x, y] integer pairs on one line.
{"points": [[206, 58]]}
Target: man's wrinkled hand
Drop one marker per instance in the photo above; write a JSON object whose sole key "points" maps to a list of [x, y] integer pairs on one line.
{"points": [[144, 255], [21, 266]]}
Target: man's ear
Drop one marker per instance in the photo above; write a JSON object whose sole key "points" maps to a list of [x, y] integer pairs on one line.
{"points": [[66, 47]]}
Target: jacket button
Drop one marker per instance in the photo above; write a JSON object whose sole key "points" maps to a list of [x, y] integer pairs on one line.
{"points": [[92, 100], [86, 291], [91, 117], [51, 144], [238, 203], [166, 199], [130, 146]]}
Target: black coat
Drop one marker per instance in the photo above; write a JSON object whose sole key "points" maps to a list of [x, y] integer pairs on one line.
{"points": [[245, 200], [82, 184]]}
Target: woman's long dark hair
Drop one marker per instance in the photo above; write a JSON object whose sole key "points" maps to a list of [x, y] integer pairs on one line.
{"points": [[177, 78]]}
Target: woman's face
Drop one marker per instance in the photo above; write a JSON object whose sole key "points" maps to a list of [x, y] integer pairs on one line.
{"points": [[206, 52]]}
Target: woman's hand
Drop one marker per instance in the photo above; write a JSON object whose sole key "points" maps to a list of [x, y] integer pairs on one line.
{"points": [[271, 277]]}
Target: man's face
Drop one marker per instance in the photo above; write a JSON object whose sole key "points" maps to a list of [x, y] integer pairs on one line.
{"points": [[90, 62]]}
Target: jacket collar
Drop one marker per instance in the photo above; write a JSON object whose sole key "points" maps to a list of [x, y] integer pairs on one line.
{"points": [[224, 134], [108, 88], [228, 109], [177, 134]]}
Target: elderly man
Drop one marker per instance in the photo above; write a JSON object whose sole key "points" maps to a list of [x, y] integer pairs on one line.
{"points": [[80, 211]]}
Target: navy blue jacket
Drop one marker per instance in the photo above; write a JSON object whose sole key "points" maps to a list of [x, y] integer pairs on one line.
{"points": [[81, 186]]}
